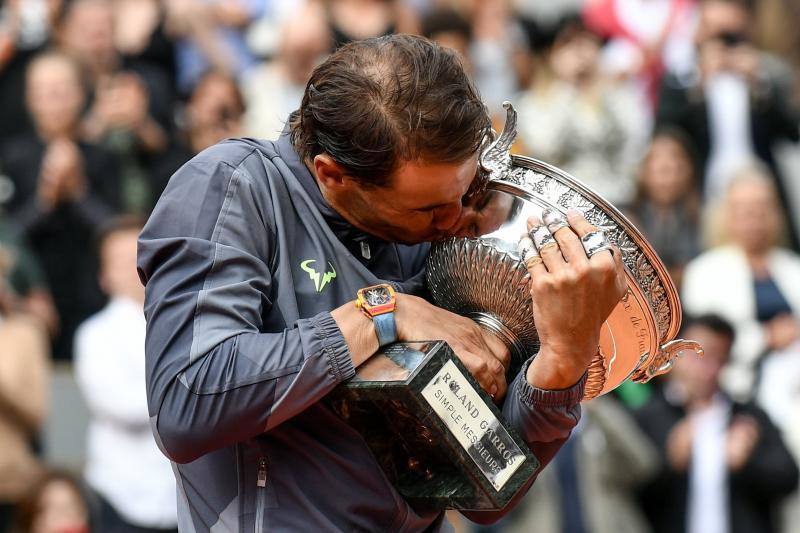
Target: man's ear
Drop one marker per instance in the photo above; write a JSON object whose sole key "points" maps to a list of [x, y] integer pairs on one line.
{"points": [[329, 173]]}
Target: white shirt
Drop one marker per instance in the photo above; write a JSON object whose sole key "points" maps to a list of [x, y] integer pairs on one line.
{"points": [[707, 509], [779, 393], [123, 462], [731, 137]]}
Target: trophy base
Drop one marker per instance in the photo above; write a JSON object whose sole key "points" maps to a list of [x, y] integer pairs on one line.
{"points": [[436, 434]]}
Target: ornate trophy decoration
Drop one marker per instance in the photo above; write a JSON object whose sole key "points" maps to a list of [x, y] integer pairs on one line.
{"points": [[477, 276], [438, 437]]}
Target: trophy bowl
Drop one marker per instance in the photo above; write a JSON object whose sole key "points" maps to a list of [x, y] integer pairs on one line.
{"points": [[483, 277], [438, 437]]}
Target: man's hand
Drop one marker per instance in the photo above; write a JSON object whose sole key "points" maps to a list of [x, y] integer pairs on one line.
{"points": [[782, 331], [742, 437], [679, 444], [572, 296], [484, 355], [62, 177]]}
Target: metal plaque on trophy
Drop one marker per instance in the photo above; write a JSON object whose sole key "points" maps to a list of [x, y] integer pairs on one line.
{"points": [[438, 436]]}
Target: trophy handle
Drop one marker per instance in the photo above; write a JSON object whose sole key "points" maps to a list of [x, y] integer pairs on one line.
{"points": [[496, 159], [666, 356]]}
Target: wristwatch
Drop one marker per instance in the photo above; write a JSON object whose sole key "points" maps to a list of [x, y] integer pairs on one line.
{"points": [[378, 302]]}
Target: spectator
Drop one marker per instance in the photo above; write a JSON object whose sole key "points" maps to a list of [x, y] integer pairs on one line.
{"points": [[140, 36], [736, 104], [590, 484], [25, 29], [23, 395], [778, 393], [57, 504], [132, 478], [646, 37], [751, 281], [214, 112], [130, 103], [275, 88], [210, 35], [352, 20], [725, 467], [26, 280], [449, 28], [63, 188], [497, 53], [667, 207], [575, 119]]}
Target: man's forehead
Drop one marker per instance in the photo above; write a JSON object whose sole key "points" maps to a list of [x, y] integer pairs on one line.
{"points": [[434, 181]]}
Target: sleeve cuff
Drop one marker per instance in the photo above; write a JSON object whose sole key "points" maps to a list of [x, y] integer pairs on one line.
{"points": [[534, 397], [334, 346]]}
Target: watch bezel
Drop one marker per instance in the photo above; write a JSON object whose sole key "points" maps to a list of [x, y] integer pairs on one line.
{"points": [[375, 310]]}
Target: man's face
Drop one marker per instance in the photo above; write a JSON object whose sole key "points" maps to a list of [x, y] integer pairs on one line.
{"points": [[699, 376], [422, 202], [88, 31], [54, 95], [753, 219], [718, 18], [118, 275]]}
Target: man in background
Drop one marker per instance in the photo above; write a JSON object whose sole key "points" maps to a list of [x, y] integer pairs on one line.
{"points": [[124, 467], [725, 467]]}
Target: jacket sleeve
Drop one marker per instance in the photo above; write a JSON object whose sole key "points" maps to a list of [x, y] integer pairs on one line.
{"points": [[215, 375], [770, 473], [544, 419]]}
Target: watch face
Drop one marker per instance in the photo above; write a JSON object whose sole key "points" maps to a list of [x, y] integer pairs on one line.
{"points": [[377, 296]]}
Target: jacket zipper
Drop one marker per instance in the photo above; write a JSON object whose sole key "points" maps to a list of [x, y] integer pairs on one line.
{"points": [[261, 485]]}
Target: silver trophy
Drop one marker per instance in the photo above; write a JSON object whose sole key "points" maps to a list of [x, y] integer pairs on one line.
{"points": [[437, 435], [484, 278]]}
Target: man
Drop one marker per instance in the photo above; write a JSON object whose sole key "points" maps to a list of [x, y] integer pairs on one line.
{"points": [[133, 480], [736, 103], [725, 467], [252, 260]]}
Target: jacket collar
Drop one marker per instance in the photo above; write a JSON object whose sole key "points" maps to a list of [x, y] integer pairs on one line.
{"points": [[348, 234]]}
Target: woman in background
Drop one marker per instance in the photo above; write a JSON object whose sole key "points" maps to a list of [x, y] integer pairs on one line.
{"points": [[577, 119], [56, 505], [751, 281], [666, 207]]}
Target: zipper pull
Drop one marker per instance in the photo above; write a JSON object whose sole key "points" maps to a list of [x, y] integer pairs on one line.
{"points": [[366, 253], [262, 472]]}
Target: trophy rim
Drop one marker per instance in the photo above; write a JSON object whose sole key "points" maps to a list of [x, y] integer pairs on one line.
{"points": [[626, 227]]}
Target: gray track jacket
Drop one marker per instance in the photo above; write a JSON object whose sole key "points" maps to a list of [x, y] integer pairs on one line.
{"points": [[243, 260]]}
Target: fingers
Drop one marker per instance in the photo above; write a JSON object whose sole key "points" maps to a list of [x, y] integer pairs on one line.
{"points": [[586, 231], [488, 370], [530, 256], [545, 244], [498, 349], [579, 223], [568, 242]]}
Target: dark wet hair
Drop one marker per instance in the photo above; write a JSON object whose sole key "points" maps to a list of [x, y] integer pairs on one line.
{"points": [[375, 103], [712, 322]]}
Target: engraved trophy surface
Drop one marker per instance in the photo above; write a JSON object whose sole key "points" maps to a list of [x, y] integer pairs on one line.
{"points": [[438, 437]]}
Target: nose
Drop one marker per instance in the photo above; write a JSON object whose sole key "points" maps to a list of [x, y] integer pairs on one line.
{"points": [[447, 216]]}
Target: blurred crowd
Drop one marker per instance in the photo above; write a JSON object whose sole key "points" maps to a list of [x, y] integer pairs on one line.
{"points": [[679, 112]]}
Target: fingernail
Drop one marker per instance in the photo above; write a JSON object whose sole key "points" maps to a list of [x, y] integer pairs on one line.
{"points": [[573, 212], [534, 222]]}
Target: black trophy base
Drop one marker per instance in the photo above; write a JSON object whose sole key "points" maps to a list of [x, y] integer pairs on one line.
{"points": [[437, 435]]}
